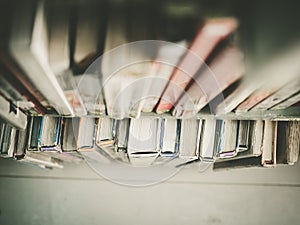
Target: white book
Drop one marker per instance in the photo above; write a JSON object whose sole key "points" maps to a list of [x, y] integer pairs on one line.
{"points": [[207, 152], [122, 133], [190, 138], [105, 130], [86, 132], [170, 137], [143, 141]]}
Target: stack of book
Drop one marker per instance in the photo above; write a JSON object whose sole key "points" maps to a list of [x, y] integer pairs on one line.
{"points": [[142, 89], [150, 141]]}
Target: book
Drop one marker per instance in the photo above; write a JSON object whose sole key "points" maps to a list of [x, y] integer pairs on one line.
{"points": [[257, 134], [279, 96], [70, 128], [207, 140], [190, 138], [225, 68], [269, 144], [166, 60], [58, 17], [89, 87], [28, 47], [143, 141], [89, 33], [50, 133], [126, 66], [35, 131], [8, 141], [122, 133], [22, 143], [105, 131], [252, 156], [212, 33], [290, 101], [227, 133], [170, 136], [243, 140], [86, 132], [257, 86], [288, 142]]}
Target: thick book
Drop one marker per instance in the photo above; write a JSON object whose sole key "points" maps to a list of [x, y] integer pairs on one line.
{"points": [[143, 141], [209, 36]]}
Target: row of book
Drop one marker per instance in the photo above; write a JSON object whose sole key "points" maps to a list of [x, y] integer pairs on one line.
{"points": [[49, 62], [147, 141]]}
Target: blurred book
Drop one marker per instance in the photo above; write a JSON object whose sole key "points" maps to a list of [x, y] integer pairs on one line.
{"points": [[223, 70], [143, 141], [208, 37], [126, 66]]}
